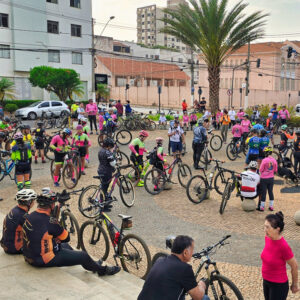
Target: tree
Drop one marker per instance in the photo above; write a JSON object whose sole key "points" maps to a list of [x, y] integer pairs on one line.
{"points": [[102, 91], [6, 89], [214, 31], [62, 82]]}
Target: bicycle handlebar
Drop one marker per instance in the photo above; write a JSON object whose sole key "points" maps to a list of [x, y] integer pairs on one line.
{"points": [[65, 196], [217, 161]]}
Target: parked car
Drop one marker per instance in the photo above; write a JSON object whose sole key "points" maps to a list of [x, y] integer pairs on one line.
{"points": [[36, 109], [297, 108]]}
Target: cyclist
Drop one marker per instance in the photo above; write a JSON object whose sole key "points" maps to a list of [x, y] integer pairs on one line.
{"points": [[108, 123], [81, 140], [237, 131], [274, 112], [4, 124], [270, 126], [246, 124], [176, 135], [45, 241], [185, 119], [137, 148], [257, 125], [200, 138], [25, 130], [107, 163], [21, 155], [254, 143], [284, 137], [12, 238], [263, 143], [250, 181], [297, 153], [39, 134], [284, 115], [86, 130], [60, 145]]}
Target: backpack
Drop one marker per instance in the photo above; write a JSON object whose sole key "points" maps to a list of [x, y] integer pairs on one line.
{"points": [[152, 156], [23, 149]]}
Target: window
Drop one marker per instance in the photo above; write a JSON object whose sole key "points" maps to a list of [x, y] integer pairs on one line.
{"points": [[53, 1], [4, 51], [77, 58], [75, 3], [183, 48], [143, 23], [44, 104], [3, 20], [143, 16], [75, 30], [52, 27], [54, 103], [180, 60], [53, 56]]}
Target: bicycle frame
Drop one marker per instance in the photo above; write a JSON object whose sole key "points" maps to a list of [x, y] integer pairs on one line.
{"points": [[9, 165], [177, 160]]}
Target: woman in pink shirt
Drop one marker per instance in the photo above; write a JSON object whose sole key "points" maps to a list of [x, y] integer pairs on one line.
{"points": [[185, 119], [275, 255], [92, 110], [284, 115], [246, 124], [241, 114]]}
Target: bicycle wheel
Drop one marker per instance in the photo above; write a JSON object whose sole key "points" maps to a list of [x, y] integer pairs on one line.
{"points": [[135, 256], [94, 240], [101, 138], [127, 192], [292, 159], [77, 163], [277, 156], [221, 180], [231, 151], [221, 287], [2, 170], [206, 157], [48, 152], [225, 197], [154, 181], [123, 137], [70, 175], [216, 143], [69, 222], [197, 188], [132, 173], [158, 256], [88, 199], [184, 174], [122, 158]]}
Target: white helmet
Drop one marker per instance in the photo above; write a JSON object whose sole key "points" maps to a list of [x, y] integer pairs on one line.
{"points": [[26, 196], [270, 114], [253, 164], [84, 120], [176, 116]]}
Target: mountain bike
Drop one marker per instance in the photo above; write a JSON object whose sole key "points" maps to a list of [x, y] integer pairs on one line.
{"points": [[132, 251], [122, 137], [288, 152], [234, 148], [93, 194], [217, 286], [156, 179], [49, 153], [215, 141], [198, 186], [206, 156]]}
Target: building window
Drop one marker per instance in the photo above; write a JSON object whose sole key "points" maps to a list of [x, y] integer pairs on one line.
{"points": [[77, 58], [75, 30], [4, 51], [180, 60], [149, 22], [53, 1], [75, 3], [143, 16], [53, 56], [183, 48], [3, 20], [143, 23], [52, 27]]}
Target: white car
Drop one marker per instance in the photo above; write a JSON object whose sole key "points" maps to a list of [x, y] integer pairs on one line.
{"points": [[35, 110]]}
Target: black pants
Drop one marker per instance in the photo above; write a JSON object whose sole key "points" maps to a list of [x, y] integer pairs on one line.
{"points": [[198, 149], [67, 257], [275, 291], [92, 120], [297, 162], [266, 184], [105, 179]]}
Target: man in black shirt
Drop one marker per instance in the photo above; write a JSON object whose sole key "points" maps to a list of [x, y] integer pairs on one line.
{"points": [[172, 277], [202, 105]]}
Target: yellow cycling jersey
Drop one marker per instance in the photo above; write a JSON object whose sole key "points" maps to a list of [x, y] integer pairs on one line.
{"points": [[26, 138]]}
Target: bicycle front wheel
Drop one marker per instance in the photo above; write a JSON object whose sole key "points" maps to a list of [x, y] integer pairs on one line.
{"points": [[216, 143], [122, 158], [94, 240], [206, 157], [127, 192], [123, 137], [220, 181], [184, 174], [220, 287], [196, 189], [2, 170], [88, 199], [69, 222], [70, 175], [135, 256], [225, 197], [231, 151], [154, 181]]}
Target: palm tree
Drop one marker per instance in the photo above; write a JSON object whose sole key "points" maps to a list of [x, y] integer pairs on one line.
{"points": [[214, 31], [102, 91], [6, 89], [76, 89]]}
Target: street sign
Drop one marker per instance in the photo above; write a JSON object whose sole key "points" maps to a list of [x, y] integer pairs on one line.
{"points": [[244, 85], [229, 92], [192, 90], [159, 89]]}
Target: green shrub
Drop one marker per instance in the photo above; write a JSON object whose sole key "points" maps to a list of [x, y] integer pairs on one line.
{"points": [[154, 117], [10, 107], [294, 122]]}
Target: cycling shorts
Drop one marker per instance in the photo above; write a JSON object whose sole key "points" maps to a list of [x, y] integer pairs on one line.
{"points": [[23, 168], [176, 146], [82, 151], [59, 157]]}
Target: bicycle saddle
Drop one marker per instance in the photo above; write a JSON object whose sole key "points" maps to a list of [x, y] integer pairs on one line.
{"points": [[124, 217]]}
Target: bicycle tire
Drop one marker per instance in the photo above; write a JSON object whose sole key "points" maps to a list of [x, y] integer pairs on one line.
{"points": [[231, 152], [67, 172], [277, 156], [206, 157], [73, 229], [88, 242], [123, 137], [132, 173], [2, 170], [157, 256], [233, 292], [91, 211], [157, 178], [184, 172], [128, 259], [101, 138], [216, 143], [77, 163], [292, 158], [122, 158], [125, 188], [200, 189], [225, 197], [217, 184]]}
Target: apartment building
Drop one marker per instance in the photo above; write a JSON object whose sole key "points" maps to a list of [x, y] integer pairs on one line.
{"points": [[45, 32]]}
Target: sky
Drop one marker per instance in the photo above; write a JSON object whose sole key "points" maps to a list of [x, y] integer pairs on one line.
{"points": [[284, 17]]}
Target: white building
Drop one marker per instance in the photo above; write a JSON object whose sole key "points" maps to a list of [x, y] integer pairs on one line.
{"points": [[45, 32]]}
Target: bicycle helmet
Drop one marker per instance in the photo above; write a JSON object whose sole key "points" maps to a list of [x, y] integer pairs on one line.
{"points": [[159, 139], [79, 127], [270, 115], [144, 133], [298, 132], [67, 131], [170, 240], [18, 136], [108, 143], [25, 196], [284, 127], [263, 132], [6, 119], [200, 122], [268, 150], [84, 120], [246, 116], [238, 121], [253, 164], [46, 199], [39, 124], [253, 130]]}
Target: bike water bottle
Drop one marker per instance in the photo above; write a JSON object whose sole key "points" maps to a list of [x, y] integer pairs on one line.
{"points": [[170, 171], [116, 240]]}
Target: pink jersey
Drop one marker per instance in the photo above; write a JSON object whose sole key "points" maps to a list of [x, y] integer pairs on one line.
{"points": [[92, 109], [274, 257], [57, 142], [193, 117], [218, 116], [185, 118], [246, 125], [114, 117], [284, 114], [268, 167], [237, 130], [101, 120], [240, 115]]}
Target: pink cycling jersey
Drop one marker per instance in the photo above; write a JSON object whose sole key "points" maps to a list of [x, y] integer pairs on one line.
{"points": [[193, 117], [101, 120], [268, 167], [240, 115], [57, 143], [237, 130], [91, 109], [246, 125], [185, 119], [284, 114]]}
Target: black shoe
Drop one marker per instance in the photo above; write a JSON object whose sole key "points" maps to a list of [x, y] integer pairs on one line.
{"points": [[197, 167], [112, 270], [82, 173]]}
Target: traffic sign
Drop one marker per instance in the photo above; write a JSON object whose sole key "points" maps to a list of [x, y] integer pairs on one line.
{"points": [[229, 92]]}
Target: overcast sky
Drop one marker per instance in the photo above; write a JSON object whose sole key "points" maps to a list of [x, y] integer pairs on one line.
{"points": [[284, 16]]}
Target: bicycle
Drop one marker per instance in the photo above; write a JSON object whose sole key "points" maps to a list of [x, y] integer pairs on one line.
{"points": [[206, 156], [198, 186], [93, 194], [122, 137], [215, 141], [217, 286], [159, 178], [234, 148], [132, 251], [280, 156]]}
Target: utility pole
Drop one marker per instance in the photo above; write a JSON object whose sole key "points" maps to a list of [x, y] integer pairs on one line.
{"points": [[232, 80], [93, 62], [248, 75], [192, 79]]}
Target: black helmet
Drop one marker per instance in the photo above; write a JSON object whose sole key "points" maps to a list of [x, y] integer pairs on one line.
{"points": [[46, 199], [253, 130], [238, 121], [108, 143], [263, 132], [298, 132], [24, 127], [39, 123], [6, 119]]}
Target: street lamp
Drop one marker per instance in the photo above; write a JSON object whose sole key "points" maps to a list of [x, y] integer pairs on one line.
{"points": [[110, 19]]}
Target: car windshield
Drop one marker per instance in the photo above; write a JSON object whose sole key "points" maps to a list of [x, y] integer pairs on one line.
{"points": [[34, 104]]}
